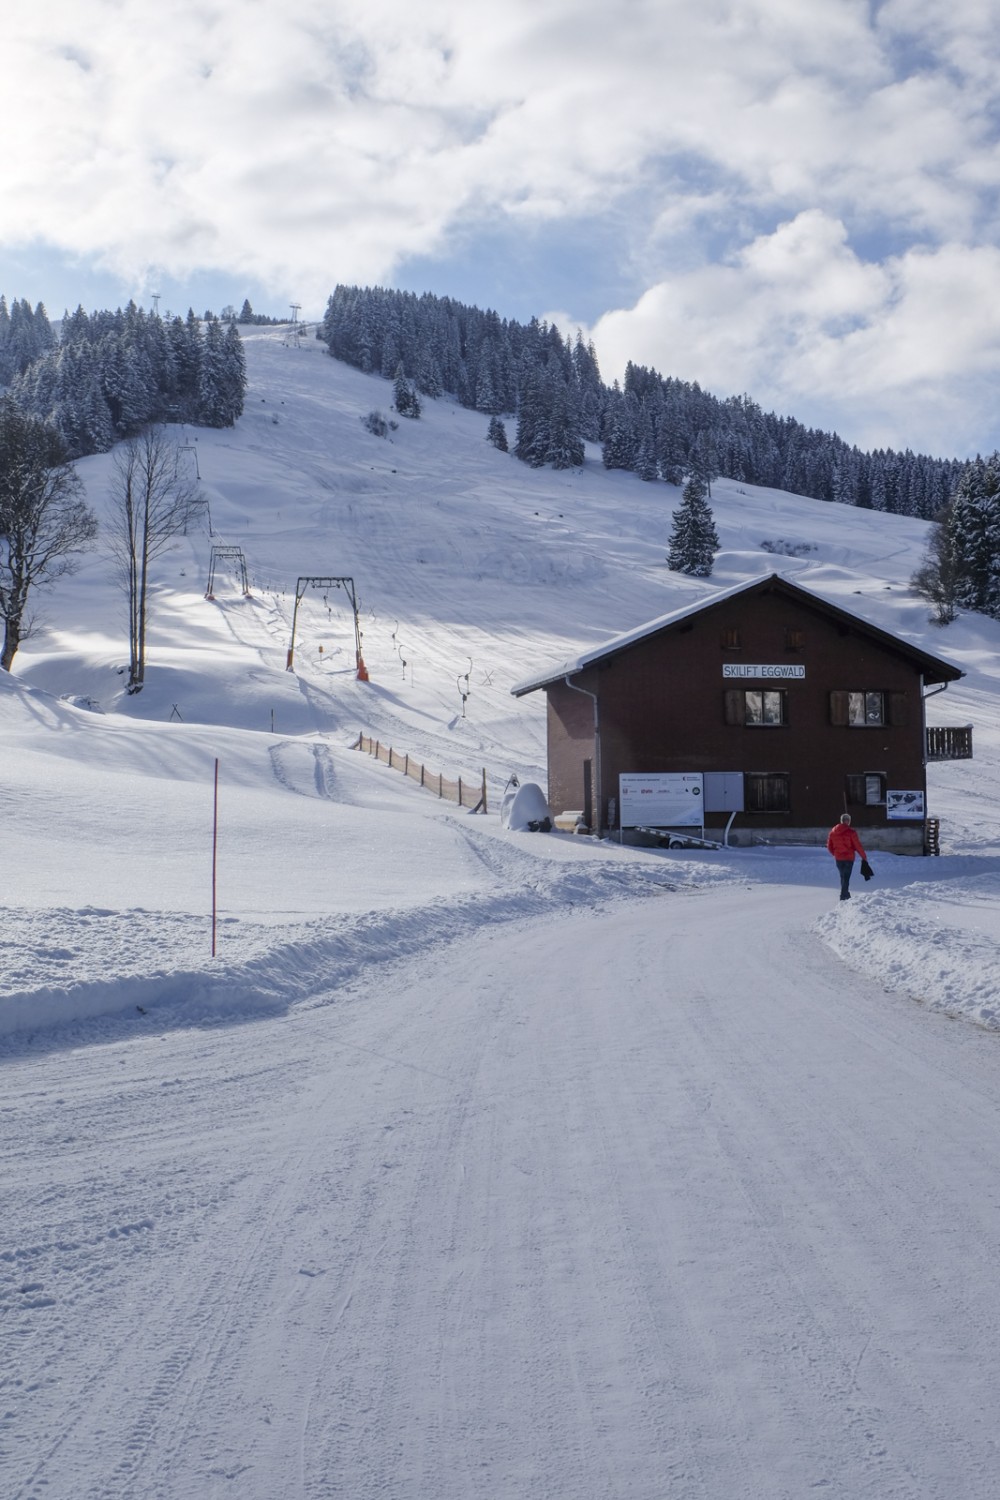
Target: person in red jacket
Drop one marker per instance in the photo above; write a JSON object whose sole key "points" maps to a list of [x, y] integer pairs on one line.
{"points": [[843, 843]]}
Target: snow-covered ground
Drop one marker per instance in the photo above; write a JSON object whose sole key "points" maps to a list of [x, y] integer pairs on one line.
{"points": [[473, 1163]]}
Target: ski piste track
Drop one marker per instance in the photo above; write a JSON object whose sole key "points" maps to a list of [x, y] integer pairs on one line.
{"points": [[495, 1220]]}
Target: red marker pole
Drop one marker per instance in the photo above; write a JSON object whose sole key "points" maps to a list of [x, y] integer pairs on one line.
{"points": [[215, 850]]}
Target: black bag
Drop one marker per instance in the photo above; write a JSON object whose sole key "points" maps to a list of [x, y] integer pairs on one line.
{"points": [[866, 870]]}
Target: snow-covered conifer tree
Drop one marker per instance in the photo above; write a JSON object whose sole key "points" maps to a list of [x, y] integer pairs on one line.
{"points": [[213, 408], [973, 524], [222, 378], [564, 449], [694, 540], [532, 441], [404, 396]]}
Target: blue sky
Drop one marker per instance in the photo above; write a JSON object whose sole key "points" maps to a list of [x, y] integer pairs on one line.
{"points": [[799, 199]]}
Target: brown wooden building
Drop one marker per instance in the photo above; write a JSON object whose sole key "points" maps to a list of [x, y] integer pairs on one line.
{"points": [[785, 709]]}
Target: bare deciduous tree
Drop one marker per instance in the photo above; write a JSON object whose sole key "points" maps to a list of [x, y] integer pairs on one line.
{"points": [[937, 578], [152, 502], [44, 523]]}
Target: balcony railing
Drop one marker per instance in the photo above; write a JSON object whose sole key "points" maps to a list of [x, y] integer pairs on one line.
{"points": [[949, 742]]}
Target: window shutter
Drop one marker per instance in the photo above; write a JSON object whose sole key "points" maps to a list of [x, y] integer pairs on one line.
{"points": [[838, 706], [735, 708], [899, 709], [767, 791]]}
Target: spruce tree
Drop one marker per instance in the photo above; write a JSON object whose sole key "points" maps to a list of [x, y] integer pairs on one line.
{"points": [[671, 447], [185, 344], [236, 373], [213, 403], [972, 522], [704, 458], [405, 398], [694, 540], [564, 448], [532, 442]]}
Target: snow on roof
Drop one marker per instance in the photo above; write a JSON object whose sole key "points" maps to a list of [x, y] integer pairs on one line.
{"points": [[628, 638]]}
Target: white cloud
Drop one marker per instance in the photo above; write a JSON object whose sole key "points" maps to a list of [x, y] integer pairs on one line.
{"points": [[384, 121], [313, 141], [907, 351]]}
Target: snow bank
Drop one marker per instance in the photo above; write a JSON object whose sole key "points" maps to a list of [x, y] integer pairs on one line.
{"points": [[935, 942], [160, 964]]}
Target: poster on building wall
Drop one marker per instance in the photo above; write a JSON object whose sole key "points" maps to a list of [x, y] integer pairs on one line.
{"points": [[904, 804], [666, 799]]}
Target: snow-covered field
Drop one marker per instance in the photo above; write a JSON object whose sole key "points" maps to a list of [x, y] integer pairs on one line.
{"points": [[473, 1163]]}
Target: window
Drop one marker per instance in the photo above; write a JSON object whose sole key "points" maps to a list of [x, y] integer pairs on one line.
{"points": [[794, 640], [868, 709], [867, 790], [765, 706], [731, 638], [865, 708], [762, 708], [766, 791]]}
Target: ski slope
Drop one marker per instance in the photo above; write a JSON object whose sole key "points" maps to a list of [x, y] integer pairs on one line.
{"points": [[473, 1163]]}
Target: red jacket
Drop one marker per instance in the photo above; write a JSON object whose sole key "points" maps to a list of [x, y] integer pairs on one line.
{"points": [[843, 842]]}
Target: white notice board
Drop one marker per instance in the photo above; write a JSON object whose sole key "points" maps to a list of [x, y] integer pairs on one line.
{"points": [[664, 800]]}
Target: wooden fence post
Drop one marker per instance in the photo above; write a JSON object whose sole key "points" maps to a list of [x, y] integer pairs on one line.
{"points": [[401, 762]]}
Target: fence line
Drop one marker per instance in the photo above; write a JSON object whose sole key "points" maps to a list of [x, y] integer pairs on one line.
{"points": [[466, 792]]}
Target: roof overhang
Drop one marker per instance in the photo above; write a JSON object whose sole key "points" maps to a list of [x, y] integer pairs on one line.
{"points": [[933, 668]]}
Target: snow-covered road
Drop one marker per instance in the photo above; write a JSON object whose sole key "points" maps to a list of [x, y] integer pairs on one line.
{"points": [[648, 1200]]}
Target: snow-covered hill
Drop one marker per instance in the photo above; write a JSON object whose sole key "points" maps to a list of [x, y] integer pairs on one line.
{"points": [[465, 561], [472, 1163], [471, 571]]}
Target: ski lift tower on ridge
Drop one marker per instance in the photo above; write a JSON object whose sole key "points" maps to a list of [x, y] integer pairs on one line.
{"points": [[324, 582]]}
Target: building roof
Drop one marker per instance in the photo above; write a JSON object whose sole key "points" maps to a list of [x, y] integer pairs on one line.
{"points": [[934, 668]]}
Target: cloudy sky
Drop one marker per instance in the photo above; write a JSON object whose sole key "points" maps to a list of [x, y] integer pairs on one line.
{"points": [[793, 198]]}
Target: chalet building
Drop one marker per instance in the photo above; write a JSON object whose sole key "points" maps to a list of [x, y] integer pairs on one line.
{"points": [[761, 713]]}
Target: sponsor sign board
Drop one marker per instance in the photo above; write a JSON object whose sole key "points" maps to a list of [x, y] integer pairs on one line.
{"points": [[662, 800]]}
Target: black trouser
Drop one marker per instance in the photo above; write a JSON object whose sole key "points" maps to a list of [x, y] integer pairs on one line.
{"points": [[845, 866]]}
